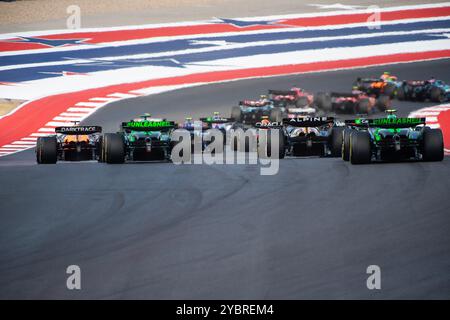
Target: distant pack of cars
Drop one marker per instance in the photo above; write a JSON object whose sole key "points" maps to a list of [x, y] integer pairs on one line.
{"points": [[303, 120]]}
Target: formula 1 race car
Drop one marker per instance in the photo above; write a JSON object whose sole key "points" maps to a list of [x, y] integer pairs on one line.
{"points": [[392, 138], [433, 90], [356, 102], [215, 122], [291, 104], [141, 139], [313, 136], [251, 111], [73, 143], [307, 136], [386, 85]]}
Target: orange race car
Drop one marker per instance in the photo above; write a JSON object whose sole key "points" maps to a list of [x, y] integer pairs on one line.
{"points": [[75, 143], [385, 85]]}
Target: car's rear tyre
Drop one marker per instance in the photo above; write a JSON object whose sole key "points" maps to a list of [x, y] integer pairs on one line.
{"points": [[100, 149], [364, 106], [336, 141], [401, 94], [383, 102], [46, 150], [236, 113], [276, 114], [390, 90], [437, 95], [302, 102], [114, 148], [323, 101], [360, 151], [281, 147], [346, 144], [433, 145]]}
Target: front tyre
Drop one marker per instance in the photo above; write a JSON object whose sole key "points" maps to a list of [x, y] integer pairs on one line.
{"points": [[46, 150], [433, 145]]}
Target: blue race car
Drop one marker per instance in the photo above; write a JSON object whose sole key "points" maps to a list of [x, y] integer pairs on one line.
{"points": [[252, 111], [422, 90]]}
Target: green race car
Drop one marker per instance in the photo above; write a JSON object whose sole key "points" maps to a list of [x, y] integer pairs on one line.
{"points": [[142, 139], [390, 139]]}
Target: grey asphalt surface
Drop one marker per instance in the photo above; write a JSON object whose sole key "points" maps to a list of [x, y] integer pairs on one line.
{"points": [[162, 231]]}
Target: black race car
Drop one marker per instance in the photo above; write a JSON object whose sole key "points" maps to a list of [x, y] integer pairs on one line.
{"points": [[306, 136], [73, 143], [313, 136]]}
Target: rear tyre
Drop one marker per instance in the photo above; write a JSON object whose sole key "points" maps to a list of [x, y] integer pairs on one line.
{"points": [[236, 114], [302, 102], [383, 102], [276, 114], [323, 101], [100, 149], [364, 105], [336, 141], [401, 95], [114, 148], [436, 95], [433, 145], [389, 90], [346, 144], [281, 147], [360, 152], [46, 150]]}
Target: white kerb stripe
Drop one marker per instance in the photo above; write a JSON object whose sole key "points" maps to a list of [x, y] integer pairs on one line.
{"points": [[59, 118], [47, 130], [87, 110], [121, 95], [90, 104], [24, 142]]}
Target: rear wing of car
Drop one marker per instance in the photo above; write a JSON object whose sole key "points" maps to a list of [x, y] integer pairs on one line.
{"points": [[281, 92], [308, 121], [78, 130], [387, 122], [148, 125]]}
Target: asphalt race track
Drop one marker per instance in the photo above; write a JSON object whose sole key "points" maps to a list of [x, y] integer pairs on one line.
{"points": [[157, 230]]}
